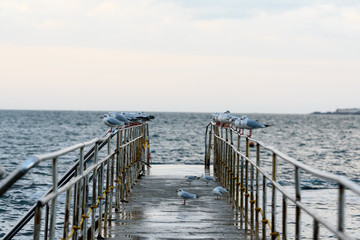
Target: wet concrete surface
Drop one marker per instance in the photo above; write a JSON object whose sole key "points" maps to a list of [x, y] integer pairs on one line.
{"points": [[154, 211]]}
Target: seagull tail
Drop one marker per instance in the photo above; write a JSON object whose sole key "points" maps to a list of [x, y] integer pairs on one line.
{"points": [[267, 125]]}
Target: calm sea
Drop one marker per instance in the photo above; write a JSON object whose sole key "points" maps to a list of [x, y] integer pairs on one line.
{"points": [[326, 142]]}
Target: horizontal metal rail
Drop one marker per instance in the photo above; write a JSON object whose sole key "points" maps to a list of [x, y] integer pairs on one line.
{"points": [[242, 174], [112, 176], [30, 214]]}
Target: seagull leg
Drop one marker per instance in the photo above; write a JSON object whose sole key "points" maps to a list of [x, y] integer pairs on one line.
{"points": [[184, 202], [250, 133]]}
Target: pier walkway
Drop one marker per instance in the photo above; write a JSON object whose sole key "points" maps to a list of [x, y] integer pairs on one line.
{"points": [[154, 211]]}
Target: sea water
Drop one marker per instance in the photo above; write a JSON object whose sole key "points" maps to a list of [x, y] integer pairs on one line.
{"points": [[327, 142]]}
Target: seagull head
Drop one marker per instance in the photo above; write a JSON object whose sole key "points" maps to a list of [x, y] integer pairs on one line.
{"points": [[104, 116], [179, 190]]}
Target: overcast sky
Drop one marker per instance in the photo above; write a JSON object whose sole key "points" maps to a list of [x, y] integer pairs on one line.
{"points": [[185, 55]]}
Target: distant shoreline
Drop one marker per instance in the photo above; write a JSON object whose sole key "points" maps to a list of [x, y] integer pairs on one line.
{"points": [[342, 111]]}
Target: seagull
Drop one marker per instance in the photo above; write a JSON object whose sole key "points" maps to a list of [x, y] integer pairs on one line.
{"points": [[219, 191], [225, 118], [215, 117], [191, 178], [236, 121], [119, 117], [250, 124], [111, 122], [207, 179], [186, 195], [136, 117]]}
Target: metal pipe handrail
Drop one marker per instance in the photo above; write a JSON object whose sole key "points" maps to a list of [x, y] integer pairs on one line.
{"points": [[73, 181], [292, 199], [30, 214], [228, 172], [33, 161], [65, 187], [137, 134], [329, 176]]}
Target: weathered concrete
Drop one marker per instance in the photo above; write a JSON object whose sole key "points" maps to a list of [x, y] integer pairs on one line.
{"points": [[154, 210]]}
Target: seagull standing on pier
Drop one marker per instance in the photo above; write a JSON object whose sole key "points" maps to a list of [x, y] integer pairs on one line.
{"points": [[208, 179], [219, 191], [111, 122], [186, 195], [250, 124], [191, 178]]}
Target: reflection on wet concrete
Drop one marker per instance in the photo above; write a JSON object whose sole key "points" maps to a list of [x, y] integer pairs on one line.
{"points": [[154, 210]]}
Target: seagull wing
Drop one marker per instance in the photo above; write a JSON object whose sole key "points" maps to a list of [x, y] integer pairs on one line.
{"points": [[187, 195], [254, 124]]}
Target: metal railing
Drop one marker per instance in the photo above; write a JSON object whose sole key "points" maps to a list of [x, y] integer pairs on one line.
{"points": [[249, 177], [91, 188]]}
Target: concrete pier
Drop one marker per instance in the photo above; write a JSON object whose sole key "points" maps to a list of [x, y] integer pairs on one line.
{"points": [[154, 211]]}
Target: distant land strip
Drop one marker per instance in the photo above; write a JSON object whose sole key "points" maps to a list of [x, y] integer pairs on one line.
{"points": [[343, 111]]}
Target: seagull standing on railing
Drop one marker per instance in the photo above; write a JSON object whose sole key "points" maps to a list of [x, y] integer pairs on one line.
{"points": [[111, 122], [250, 124], [119, 117], [236, 122], [225, 118], [186, 195], [219, 191]]}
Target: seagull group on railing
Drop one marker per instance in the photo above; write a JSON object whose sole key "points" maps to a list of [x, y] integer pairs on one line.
{"points": [[124, 119], [225, 119]]}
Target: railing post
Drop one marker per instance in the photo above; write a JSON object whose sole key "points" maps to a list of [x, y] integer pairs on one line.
{"points": [[67, 213], [85, 205], [257, 207], [54, 200], [264, 201], [118, 171], [273, 202], [284, 220], [341, 208], [242, 190], [37, 221], [107, 191], [79, 196], [94, 195], [207, 146], [298, 199], [252, 201], [237, 190], [100, 199], [316, 230], [246, 185]]}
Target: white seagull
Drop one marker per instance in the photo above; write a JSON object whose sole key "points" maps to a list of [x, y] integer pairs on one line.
{"points": [[208, 179], [191, 178], [219, 191], [250, 124], [119, 117], [186, 195], [225, 118], [111, 122], [236, 122]]}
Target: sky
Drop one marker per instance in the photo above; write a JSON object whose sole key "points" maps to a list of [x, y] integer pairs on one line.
{"points": [[273, 56]]}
